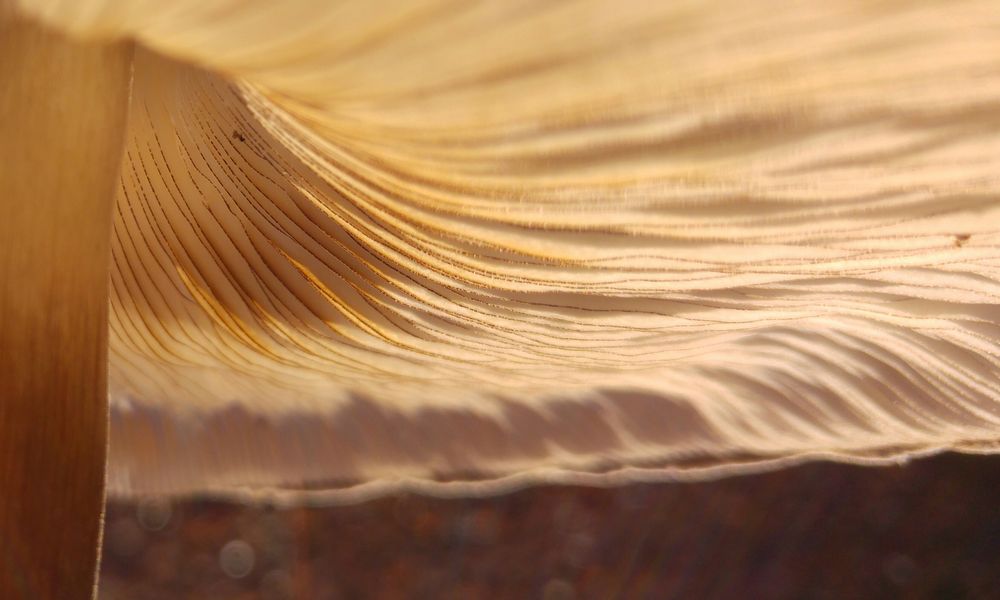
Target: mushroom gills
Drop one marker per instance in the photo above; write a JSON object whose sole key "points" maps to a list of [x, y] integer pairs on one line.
{"points": [[463, 247]]}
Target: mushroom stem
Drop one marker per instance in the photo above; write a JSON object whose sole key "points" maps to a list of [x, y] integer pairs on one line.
{"points": [[62, 124]]}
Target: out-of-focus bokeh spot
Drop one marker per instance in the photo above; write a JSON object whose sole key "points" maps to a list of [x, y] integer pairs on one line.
{"points": [[236, 559], [153, 514], [930, 529]]}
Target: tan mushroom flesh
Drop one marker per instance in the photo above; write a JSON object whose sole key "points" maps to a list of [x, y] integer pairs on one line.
{"points": [[462, 247]]}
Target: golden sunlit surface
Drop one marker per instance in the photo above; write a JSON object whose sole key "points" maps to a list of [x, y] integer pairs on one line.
{"points": [[468, 241], [464, 248]]}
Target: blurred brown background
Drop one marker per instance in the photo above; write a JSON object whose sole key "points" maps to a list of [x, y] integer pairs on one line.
{"points": [[930, 529]]}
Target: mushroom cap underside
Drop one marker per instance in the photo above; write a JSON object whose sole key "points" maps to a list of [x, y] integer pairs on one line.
{"points": [[462, 247]]}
